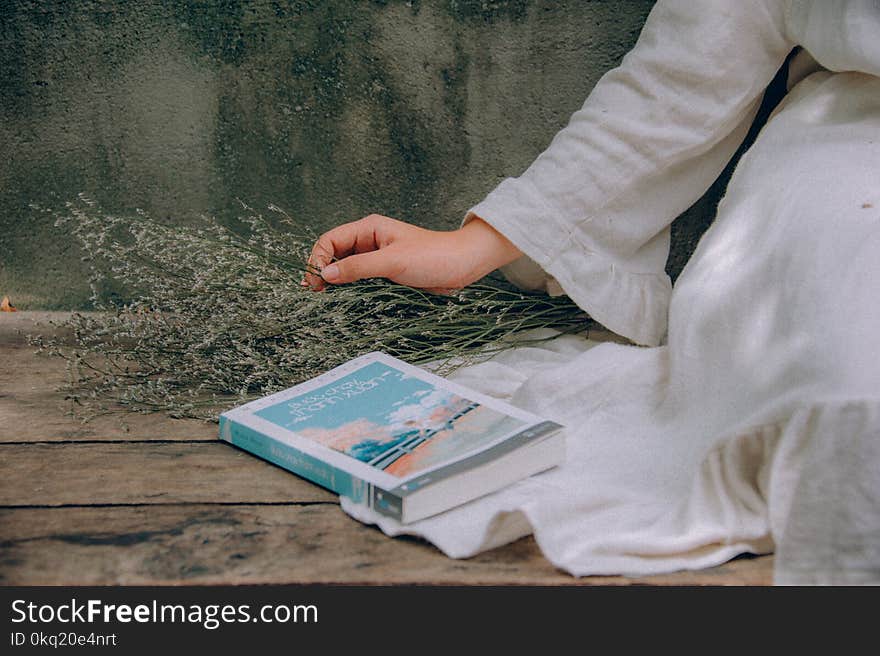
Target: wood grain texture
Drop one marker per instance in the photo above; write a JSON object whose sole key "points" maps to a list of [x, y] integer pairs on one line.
{"points": [[33, 408], [146, 472], [193, 544]]}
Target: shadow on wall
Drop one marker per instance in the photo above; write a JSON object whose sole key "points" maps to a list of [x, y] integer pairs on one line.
{"points": [[328, 109]]}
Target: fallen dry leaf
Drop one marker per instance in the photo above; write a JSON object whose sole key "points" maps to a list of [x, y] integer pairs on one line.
{"points": [[6, 306]]}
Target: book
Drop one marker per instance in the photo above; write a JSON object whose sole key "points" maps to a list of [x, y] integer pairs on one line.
{"points": [[395, 437]]}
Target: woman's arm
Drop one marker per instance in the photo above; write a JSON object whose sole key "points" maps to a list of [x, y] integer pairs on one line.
{"points": [[592, 210], [381, 247]]}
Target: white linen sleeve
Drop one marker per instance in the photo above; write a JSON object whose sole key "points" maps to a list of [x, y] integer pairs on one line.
{"points": [[592, 212]]}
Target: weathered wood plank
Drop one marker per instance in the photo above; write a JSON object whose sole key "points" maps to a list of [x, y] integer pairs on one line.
{"points": [[152, 473], [190, 544], [33, 409]]}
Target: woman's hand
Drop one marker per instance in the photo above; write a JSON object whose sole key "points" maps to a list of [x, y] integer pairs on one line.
{"points": [[381, 247]]}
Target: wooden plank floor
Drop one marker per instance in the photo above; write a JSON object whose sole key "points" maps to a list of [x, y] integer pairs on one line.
{"points": [[145, 499]]}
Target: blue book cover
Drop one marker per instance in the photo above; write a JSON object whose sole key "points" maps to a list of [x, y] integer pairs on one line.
{"points": [[378, 429]]}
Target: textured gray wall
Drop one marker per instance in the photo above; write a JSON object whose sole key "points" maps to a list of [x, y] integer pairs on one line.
{"points": [[329, 109]]}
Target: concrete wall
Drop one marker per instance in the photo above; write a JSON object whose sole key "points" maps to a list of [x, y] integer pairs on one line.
{"points": [[329, 109]]}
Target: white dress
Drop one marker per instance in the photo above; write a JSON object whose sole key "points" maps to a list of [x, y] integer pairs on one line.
{"points": [[748, 419]]}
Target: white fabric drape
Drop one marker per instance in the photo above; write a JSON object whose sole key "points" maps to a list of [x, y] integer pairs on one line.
{"points": [[751, 421]]}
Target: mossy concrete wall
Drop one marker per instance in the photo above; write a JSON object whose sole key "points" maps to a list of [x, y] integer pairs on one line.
{"points": [[330, 109]]}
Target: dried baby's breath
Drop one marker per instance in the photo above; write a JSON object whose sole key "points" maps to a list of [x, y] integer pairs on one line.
{"points": [[215, 316]]}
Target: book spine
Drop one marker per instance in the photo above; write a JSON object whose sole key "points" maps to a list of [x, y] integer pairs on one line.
{"points": [[294, 460]]}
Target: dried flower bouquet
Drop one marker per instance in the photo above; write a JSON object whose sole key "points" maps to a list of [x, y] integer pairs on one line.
{"points": [[216, 316]]}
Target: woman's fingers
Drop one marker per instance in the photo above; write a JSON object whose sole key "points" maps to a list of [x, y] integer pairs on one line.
{"points": [[373, 264], [337, 243], [321, 255]]}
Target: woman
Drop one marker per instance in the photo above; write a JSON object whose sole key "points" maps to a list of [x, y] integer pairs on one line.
{"points": [[752, 421]]}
